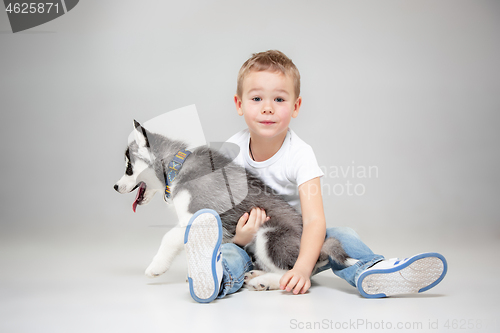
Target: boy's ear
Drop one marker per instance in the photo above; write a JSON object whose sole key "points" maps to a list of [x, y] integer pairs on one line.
{"points": [[296, 107], [140, 134], [237, 103]]}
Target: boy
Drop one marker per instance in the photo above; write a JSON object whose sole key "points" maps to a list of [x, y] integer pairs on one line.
{"points": [[268, 97]]}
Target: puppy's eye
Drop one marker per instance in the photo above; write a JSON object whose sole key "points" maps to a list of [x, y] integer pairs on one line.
{"points": [[129, 170]]}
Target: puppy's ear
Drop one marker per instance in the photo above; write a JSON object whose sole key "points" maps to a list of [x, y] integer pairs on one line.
{"points": [[141, 136]]}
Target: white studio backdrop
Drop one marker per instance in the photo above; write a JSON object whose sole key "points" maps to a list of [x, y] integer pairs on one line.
{"points": [[407, 89]]}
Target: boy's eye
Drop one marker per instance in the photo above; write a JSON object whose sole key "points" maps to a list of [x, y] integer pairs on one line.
{"points": [[279, 99], [256, 99]]}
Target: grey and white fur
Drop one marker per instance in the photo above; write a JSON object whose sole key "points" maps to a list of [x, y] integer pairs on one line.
{"points": [[209, 179]]}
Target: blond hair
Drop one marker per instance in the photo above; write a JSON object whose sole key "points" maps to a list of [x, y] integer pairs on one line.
{"points": [[272, 60]]}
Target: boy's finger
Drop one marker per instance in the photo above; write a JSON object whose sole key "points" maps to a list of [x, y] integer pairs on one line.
{"points": [[243, 219], [291, 284], [298, 286], [262, 217], [284, 280], [256, 216], [306, 287], [252, 217]]}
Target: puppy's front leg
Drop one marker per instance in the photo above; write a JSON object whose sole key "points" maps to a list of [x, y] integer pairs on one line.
{"points": [[171, 244], [173, 241]]}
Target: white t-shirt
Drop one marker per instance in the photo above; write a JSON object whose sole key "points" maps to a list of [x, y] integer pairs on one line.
{"points": [[293, 165]]}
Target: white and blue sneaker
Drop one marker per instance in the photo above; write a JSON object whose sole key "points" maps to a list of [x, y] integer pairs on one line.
{"points": [[202, 242], [396, 277]]}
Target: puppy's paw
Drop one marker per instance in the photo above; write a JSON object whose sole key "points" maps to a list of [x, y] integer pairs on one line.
{"points": [[253, 274], [267, 281], [156, 269]]}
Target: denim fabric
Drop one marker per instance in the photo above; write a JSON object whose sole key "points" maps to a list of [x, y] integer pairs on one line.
{"points": [[356, 249], [236, 262]]}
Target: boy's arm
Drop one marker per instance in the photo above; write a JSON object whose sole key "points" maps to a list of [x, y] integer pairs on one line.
{"points": [[313, 237]]}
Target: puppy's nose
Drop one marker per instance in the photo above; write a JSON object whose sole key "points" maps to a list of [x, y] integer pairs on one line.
{"points": [[116, 188]]}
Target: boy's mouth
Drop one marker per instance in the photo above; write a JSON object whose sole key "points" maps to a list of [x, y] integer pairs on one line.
{"points": [[267, 122]]}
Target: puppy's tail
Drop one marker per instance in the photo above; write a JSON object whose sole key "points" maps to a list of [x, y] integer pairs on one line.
{"points": [[333, 249]]}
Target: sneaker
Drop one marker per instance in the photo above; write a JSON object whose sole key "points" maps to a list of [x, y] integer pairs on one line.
{"points": [[202, 242], [409, 276]]}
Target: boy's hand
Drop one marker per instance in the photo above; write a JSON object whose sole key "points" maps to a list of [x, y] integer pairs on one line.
{"points": [[248, 225], [296, 280]]}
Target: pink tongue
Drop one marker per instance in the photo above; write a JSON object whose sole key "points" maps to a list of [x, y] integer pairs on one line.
{"points": [[139, 190]]}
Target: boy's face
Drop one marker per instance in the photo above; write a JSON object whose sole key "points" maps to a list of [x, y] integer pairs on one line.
{"points": [[268, 103]]}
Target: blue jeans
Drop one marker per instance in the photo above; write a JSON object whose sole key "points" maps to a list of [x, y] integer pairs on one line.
{"points": [[236, 262]]}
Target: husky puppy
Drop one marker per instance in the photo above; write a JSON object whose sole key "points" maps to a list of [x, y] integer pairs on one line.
{"points": [[209, 179]]}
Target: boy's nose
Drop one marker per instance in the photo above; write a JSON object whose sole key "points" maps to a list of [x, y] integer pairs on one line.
{"points": [[268, 110]]}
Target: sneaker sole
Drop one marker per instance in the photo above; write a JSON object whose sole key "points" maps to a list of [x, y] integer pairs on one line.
{"points": [[418, 274], [202, 240]]}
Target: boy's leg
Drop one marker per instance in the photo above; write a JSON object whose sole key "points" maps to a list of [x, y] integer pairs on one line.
{"points": [[376, 277], [214, 270], [408, 276], [202, 241], [356, 249], [235, 263]]}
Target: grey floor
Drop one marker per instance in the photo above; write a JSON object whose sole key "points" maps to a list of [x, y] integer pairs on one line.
{"points": [[84, 278]]}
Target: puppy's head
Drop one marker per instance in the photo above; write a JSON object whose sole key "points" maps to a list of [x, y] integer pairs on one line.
{"points": [[139, 171]]}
